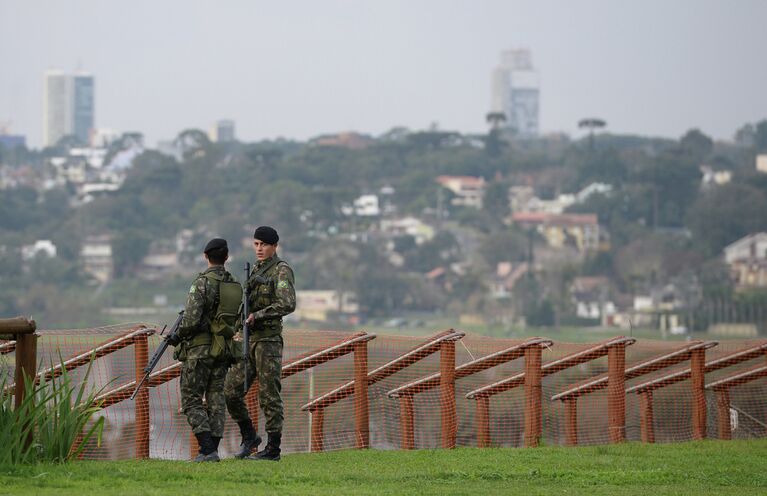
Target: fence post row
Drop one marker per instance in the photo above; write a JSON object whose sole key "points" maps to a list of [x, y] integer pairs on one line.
{"points": [[531, 378], [449, 373], [722, 388], [534, 370], [432, 345], [615, 382], [697, 371]]}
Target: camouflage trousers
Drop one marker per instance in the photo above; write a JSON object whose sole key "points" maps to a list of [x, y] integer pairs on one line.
{"points": [[265, 368], [204, 377]]}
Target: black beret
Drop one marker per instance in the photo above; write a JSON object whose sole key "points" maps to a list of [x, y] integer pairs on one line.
{"points": [[266, 234], [214, 244]]}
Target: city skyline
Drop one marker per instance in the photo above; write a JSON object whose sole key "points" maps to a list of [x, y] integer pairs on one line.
{"points": [[310, 69]]}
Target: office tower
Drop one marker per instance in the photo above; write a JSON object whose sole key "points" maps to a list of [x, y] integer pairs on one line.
{"points": [[515, 92], [68, 107], [83, 106], [222, 131]]}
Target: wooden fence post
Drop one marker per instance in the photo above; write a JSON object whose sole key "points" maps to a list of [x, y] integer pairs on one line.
{"points": [[361, 405], [26, 363], [646, 418], [533, 421], [318, 430], [483, 421], [251, 402], [697, 380], [194, 446], [447, 393], [141, 404], [407, 420], [723, 404], [571, 421], [616, 392]]}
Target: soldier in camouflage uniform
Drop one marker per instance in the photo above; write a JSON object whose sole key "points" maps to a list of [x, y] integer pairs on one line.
{"points": [[202, 375], [271, 296]]}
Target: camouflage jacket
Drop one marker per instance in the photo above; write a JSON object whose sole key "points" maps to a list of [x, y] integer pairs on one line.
{"points": [[271, 296], [201, 304]]}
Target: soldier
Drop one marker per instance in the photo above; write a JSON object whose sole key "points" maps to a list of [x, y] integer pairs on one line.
{"points": [[203, 345], [272, 296]]}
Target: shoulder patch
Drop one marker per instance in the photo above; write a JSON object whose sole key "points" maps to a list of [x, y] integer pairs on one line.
{"points": [[193, 289], [283, 285]]}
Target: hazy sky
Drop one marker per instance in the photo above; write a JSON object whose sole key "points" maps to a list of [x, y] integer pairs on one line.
{"points": [[301, 68]]}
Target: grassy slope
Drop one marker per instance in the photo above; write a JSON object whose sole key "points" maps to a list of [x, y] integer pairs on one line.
{"points": [[708, 467]]}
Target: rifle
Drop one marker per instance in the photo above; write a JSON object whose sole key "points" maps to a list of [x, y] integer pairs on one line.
{"points": [[159, 352], [245, 330]]}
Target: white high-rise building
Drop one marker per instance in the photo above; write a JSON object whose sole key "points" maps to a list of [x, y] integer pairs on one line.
{"points": [[68, 106], [515, 92]]}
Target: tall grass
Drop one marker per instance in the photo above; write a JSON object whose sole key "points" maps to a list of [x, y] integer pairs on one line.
{"points": [[52, 424]]}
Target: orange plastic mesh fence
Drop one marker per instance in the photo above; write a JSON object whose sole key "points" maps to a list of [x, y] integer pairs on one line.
{"points": [[406, 411]]}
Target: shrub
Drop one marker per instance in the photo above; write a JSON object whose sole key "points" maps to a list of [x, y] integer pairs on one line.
{"points": [[55, 416]]}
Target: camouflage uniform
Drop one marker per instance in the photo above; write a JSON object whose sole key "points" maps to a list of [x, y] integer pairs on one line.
{"points": [[202, 375], [269, 301]]}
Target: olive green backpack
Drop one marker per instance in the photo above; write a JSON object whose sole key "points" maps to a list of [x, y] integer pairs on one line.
{"points": [[225, 322]]}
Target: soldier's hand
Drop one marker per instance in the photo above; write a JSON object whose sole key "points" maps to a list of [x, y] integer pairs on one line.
{"points": [[251, 319]]}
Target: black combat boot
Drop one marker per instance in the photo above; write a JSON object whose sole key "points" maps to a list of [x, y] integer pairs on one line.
{"points": [[250, 439], [208, 451], [272, 450]]}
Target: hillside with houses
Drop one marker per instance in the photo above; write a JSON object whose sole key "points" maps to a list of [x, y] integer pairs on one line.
{"points": [[410, 225]]}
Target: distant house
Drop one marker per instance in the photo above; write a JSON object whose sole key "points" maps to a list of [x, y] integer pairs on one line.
{"points": [[555, 206], [324, 305], [579, 230], [560, 230], [519, 196], [761, 163], [712, 177], [40, 247], [592, 189], [367, 206], [350, 140], [96, 256], [412, 226], [747, 259], [506, 276], [158, 264], [751, 247], [469, 190], [591, 297]]}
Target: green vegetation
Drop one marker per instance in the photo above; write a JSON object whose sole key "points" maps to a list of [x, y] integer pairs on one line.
{"points": [[663, 226], [708, 467], [48, 422]]}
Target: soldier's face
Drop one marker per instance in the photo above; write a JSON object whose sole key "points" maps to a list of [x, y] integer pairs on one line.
{"points": [[263, 250]]}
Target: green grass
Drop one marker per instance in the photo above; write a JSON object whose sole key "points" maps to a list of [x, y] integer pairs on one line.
{"points": [[708, 467]]}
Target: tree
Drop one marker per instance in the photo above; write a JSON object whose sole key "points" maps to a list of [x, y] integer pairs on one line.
{"points": [[495, 119], [504, 246], [496, 199], [725, 214], [760, 138], [746, 135], [696, 144], [193, 142], [591, 124], [129, 247]]}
